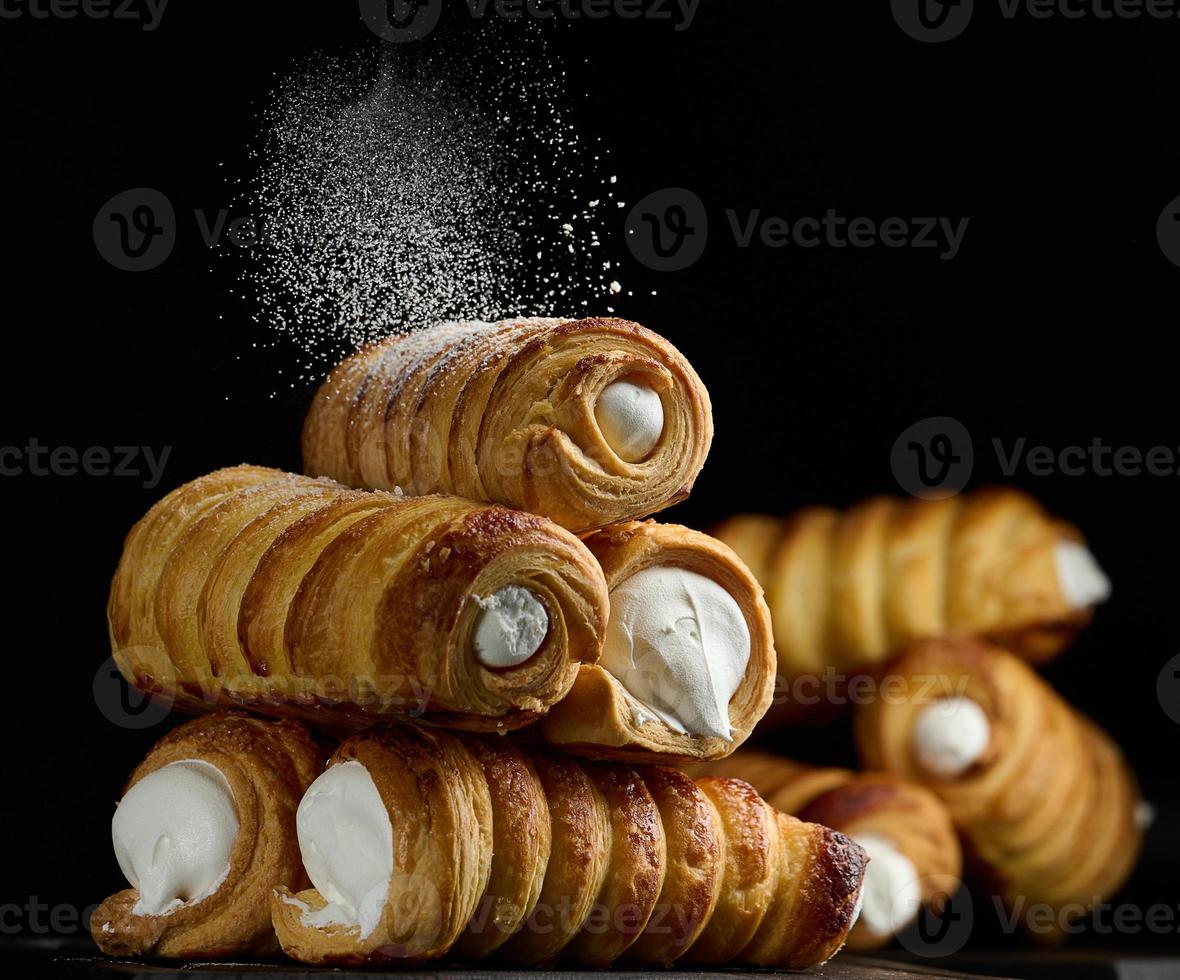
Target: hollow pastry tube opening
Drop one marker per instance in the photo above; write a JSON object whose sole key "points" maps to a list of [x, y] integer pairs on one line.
{"points": [[950, 736], [174, 833], [630, 415], [679, 644]]}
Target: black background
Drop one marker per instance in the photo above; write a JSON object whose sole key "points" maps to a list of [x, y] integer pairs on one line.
{"points": [[1058, 139]]}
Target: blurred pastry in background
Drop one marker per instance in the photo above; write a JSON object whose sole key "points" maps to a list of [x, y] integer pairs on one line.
{"points": [[204, 832], [846, 590], [588, 422], [1048, 808], [687, 668], [914, 853]]}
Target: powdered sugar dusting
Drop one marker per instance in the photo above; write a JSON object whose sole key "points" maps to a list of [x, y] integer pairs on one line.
{"points": [[393, 196]]}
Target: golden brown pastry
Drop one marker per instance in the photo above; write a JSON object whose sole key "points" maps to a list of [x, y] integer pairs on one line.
{"points": [[848, 589], [588, 422], [687, 668], [295, 596], [204, 832], [1048, 808], [603, 862], [914, 853]]}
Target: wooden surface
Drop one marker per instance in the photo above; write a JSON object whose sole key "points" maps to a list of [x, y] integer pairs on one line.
{"points": [[893, 965], [842, 968]]}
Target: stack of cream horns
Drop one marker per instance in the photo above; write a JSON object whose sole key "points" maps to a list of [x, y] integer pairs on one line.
{"points": [[467, 554], [942, 607]]}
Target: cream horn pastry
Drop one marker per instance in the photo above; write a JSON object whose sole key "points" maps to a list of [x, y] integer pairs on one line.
{"points": [[914, 853], [1047, 806], [846, 590], [423, 844], [687, 667], [588, 422], [298, 597], [204, 832]]}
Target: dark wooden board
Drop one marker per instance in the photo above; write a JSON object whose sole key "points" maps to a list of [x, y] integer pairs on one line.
{"points": [[841, 968]]}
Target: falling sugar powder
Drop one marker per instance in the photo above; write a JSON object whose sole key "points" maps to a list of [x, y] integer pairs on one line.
{"points": [[392, 196]]}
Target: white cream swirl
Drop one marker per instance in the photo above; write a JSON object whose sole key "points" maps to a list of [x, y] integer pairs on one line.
{"points": [[679, 644]]}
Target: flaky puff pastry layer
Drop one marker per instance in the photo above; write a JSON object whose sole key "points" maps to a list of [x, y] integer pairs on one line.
{"points": [[1050, 812], [298, 597], [268, 765], [598, 718], [910, 816], [531, 859], [505, 412], [846, 590]]}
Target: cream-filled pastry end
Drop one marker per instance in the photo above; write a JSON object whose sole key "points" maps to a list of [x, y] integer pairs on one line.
{"points": [[892, 893], [1081, 577], [174, 832], [950, 736], [631, 417], [510, 628], [346, 841], [679, 644]]}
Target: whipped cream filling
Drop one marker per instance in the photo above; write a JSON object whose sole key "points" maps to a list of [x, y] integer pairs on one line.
{"points": [[631, 417], [679, 645], [1081, 577], [950, 736], [511, 626], [346, 840], [892, 894], [174, 832], [860, 904]]}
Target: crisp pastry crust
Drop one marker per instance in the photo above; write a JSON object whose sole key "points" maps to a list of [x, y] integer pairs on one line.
{"points": [[910, 816], [268, 765], [1049, 813], [846, 590], [643, 865], [598, 718], [505, 412], [297, 597]]}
